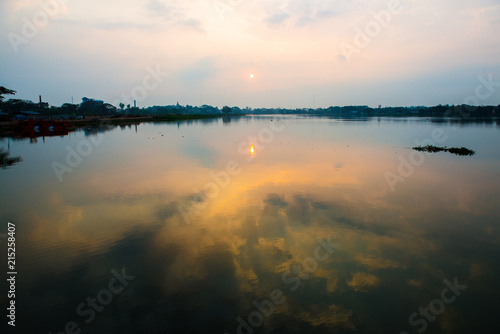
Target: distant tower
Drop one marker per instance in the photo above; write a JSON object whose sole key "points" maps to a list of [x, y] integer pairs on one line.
{"points": [[40, 98], [135, 104]]}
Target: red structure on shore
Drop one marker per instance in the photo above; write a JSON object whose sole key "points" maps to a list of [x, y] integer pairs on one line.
{"points": [[34, 128]]}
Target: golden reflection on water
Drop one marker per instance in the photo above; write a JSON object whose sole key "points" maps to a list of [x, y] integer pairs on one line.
{"points": [[265, 220], [313, 195]]}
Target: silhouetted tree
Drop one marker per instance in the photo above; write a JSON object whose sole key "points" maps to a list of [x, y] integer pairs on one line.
{"points": [[13, 106], [110, 108], [68, 108], [122, 106], [92, 107], [6, 91], [226, 110]]}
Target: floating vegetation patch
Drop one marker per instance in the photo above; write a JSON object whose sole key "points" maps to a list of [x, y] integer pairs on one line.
{"points": [[462, 151]]}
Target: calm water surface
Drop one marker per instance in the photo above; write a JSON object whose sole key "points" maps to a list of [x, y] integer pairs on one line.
{"points": [[178, 228]]}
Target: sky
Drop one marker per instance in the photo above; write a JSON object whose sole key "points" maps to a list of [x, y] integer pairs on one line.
{"points": [[302, 53]]}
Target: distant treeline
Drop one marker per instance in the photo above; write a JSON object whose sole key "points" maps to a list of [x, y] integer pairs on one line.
{"points": [[89, 107], [462, 111], [97, 107]]}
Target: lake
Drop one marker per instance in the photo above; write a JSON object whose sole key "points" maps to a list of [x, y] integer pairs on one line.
{"points": [[329, 225]]}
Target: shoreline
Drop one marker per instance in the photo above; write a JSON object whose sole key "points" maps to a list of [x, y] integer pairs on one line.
{"points": [[97, 120], [7, 127]]}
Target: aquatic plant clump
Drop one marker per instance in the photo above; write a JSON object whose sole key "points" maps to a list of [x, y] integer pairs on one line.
{"points": [[462, 151]]}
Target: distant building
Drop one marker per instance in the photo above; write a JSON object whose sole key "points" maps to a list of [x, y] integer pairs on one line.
{"points": [[86, 99]]}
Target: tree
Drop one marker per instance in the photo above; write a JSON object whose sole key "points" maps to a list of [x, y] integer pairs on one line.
{"points": [[110, 108], [226, 110], [13, 106], [122, 105], [6, 91], [92, 107], [68, 108]]}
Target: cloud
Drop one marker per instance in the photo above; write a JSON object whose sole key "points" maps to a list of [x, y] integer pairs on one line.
{"points": [[153, 15], [363, 282], [294, 45], [173, 14], [156, 7], [314, 17], [276, 200], [20, 5], [334, 315], [300, 13], [306, 13], [112, 26], [375, 263], [325, 14], [193, 24], [278, 19]]}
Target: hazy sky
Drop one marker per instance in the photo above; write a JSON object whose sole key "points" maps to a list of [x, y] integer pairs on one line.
{"points": [[301, 52]]}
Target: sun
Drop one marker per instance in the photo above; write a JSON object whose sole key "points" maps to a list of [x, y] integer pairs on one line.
{"points": [[251, 76]]}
